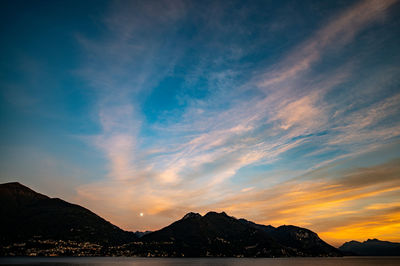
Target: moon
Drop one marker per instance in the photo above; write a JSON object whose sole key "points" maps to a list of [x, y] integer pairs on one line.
{"points": [[141, 214]]}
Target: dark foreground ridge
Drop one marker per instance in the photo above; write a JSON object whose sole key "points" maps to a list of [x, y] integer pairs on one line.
{"points": [[371, 247], [217, 234], [33, 224], [30, 215]]}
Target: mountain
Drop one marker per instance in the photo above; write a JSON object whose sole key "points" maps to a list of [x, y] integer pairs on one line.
{"points": [[27, 214], [217, 234], [37, 225], [297, 238], [371, 247], [140, 234]]}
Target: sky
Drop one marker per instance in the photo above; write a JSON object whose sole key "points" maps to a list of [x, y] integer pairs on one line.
{"points": [[280, 112]]}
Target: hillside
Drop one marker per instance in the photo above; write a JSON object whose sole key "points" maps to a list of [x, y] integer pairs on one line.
{"points": [[371, 247], [217, 234], [27, 215]]}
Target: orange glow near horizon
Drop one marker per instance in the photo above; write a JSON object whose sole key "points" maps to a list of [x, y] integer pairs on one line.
{"points": [[340, 209], [145, 111]]}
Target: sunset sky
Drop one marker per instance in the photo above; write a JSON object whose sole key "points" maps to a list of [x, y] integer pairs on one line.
{"points": [[280, 112]]}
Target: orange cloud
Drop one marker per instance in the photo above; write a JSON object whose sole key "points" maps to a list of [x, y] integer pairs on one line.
{"points": [[331, 205]]}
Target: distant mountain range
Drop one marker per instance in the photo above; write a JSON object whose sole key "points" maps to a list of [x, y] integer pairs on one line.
{"points": [[371, 247], [34, 224]]}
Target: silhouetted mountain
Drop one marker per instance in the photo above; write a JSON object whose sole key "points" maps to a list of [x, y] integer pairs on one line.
{"points": [[297, 238], [26, 214], [217, 234], [34, 224], [371, 247]]}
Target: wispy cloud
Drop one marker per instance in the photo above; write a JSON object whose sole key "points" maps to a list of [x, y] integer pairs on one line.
{"points": [[190, 159], [338, 32], [335, 200]]}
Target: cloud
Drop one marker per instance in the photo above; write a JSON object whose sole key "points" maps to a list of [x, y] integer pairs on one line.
{"points": [[338, 32], [302, 111], [194, 159], [327, 204], [381, 206], [360, 125]]}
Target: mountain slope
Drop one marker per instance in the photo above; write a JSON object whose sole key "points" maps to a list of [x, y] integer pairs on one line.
{"points": [[371, 247], [216, 234], [27, 214], [302, 240]]}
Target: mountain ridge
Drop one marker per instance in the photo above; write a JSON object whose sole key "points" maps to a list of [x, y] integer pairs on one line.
{"points": [[28, 214], [371, 247], [35, 219], [218, 233]]}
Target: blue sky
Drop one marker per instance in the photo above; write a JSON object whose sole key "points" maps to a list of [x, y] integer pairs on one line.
{"points": [[276, 111]]}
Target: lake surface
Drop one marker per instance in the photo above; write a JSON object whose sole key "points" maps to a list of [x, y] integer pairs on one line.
{"points": [[74, 261]]}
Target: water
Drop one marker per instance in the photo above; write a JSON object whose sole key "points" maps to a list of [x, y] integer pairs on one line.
{"points": [[123, 261]]}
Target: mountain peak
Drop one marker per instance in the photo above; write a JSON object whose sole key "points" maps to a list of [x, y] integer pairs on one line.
{"points": [[213, 213], [16, 189], [191, 215], [13, 185], [26, 214]]}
